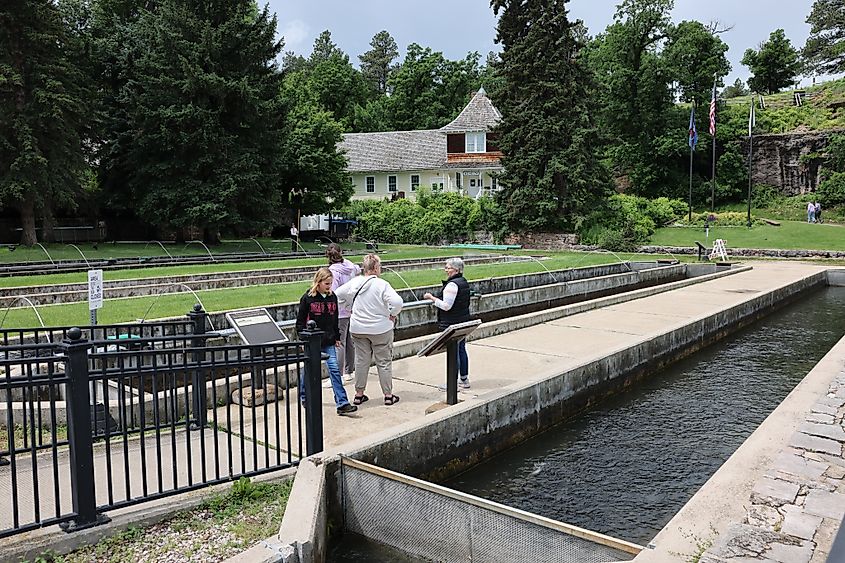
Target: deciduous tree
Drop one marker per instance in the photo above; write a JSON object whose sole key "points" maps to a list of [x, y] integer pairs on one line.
{"points": [[693, 56], [773, 65]]}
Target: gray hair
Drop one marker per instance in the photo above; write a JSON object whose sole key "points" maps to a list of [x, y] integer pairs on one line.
{"points": [[456, 263], [371, 263]]}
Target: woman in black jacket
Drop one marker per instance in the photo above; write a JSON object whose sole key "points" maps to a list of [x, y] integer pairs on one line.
{"points": [[319, 304]]}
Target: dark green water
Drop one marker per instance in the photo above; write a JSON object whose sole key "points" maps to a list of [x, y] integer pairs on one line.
{"points": [[628, 465]]}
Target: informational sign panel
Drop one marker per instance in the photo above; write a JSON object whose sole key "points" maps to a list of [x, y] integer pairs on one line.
{"points": [[451, 333], [95, 289], [256, 326]]}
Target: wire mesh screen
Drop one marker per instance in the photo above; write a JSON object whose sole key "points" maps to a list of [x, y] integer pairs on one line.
{"points": [[433, 523]]}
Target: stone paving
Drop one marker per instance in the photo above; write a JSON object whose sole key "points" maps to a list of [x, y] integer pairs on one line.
{"points": [[796, 507]]}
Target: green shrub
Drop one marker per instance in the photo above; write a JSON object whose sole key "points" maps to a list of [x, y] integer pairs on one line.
{"points": [[764, 195], [432, 219], [836, 153], [628, 221], [831, 190], [723, 219]]}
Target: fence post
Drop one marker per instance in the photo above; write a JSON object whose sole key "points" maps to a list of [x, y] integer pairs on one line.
{"points": [[313, 391], [198, 318], [80, 439]]}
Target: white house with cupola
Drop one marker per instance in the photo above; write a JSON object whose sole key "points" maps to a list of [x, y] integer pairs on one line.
{"points": [[460, 157]]}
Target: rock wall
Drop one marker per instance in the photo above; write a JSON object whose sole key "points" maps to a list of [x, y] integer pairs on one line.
{"points": [[778, 160], [543, 241]]}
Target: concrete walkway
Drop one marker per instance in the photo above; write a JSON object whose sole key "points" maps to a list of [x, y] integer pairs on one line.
{"points": [[539, 352], [542, 351]]}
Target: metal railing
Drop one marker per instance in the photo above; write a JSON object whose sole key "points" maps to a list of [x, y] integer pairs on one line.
{"points": [[91, 425]]}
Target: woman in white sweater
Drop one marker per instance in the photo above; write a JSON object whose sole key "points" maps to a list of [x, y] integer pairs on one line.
{"points": [[374, 306]]}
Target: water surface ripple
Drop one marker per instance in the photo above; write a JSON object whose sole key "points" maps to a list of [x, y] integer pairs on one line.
{"points": [[628, 465]]}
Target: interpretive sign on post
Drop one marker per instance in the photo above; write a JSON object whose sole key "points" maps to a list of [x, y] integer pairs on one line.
{"points": [[256, 326], [448, 340], [95, 293]]}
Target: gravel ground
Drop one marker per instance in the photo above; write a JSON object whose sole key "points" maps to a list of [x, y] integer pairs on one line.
{"points": [[218, 529]]}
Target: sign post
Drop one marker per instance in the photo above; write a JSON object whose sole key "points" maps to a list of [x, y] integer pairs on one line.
{"points": [[448, 341], [95, 293]]}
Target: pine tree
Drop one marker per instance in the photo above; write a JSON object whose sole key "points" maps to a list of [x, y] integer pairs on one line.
{"points": [[552, 176], [825, 47], [377, 63], [43, 112], [204, 110]]}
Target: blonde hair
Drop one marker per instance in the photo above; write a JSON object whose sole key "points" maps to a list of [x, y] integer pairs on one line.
{"points": [[371, 263], [322, 275]]}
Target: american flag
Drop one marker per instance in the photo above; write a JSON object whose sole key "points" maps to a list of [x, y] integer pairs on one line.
{"points": [[713, 112]]}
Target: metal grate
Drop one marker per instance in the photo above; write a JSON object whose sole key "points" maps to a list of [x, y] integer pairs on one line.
{"points": [[440, 524]]}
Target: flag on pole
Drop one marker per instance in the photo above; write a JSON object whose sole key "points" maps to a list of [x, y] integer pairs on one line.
{"points": [[713, 111], [693, 134], [752, 117]]}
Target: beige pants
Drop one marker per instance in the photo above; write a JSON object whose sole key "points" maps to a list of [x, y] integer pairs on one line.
{"points": [[378, 349], [346, 350]]}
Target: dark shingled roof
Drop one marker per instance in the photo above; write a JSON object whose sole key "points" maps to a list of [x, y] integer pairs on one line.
{"points": [[479, 115], [394, 150]]}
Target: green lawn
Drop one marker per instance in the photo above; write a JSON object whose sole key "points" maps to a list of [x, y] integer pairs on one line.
{"points": [[789, 235], [388, 252], [131, 309]]}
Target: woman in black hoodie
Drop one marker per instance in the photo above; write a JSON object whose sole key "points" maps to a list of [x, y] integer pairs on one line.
{"points": [[319, 304]]}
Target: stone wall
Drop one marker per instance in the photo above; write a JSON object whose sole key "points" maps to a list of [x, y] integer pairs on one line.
{"points": [[543, 241], [777, 160]]}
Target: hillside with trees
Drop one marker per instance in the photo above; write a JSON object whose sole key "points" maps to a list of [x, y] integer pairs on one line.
{"points": [[178, 118]]}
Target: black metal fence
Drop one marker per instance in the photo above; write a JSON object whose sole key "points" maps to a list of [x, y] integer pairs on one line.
{"points": [[139, 412]]}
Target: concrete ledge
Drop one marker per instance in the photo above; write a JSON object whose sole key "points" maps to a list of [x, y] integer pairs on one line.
{"points": [[722, 501], [477, 429], [304, 525]]}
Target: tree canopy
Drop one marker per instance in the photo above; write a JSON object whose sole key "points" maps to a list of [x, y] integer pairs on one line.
{"points": [[824, 51], [44, 108], [552, 176], [773, 65]]}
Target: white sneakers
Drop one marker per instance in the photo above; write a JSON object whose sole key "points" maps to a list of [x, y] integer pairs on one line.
{"points": [[463, 383], [348, 377]]}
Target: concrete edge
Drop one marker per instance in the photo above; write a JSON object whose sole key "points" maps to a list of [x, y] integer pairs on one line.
{"points": [[304, 528], [723, 499]]}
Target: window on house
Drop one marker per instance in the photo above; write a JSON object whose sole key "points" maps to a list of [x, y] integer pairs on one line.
{"points": [[371, 184], [391, 183], [472, 182], [493, 184], [458, 179], [415, 182], [476, 142]]}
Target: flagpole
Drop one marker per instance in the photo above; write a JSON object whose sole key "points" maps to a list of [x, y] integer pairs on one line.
{"points": [[750, 154], [713, 183], [691, 145]]}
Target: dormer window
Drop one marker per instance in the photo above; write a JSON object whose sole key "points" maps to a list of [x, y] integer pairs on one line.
{"points": [[476, 141]]}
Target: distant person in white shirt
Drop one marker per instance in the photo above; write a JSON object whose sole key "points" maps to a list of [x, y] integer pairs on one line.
{"points": [[452, 308], [294, 237], [811, 212], [374, 306]]}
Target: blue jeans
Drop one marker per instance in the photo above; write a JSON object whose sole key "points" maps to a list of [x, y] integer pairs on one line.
{"points": [[463, 359], [340, 397]]}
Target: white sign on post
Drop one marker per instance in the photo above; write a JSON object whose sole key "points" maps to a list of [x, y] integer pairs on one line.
{"points": [[95, 289]]}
